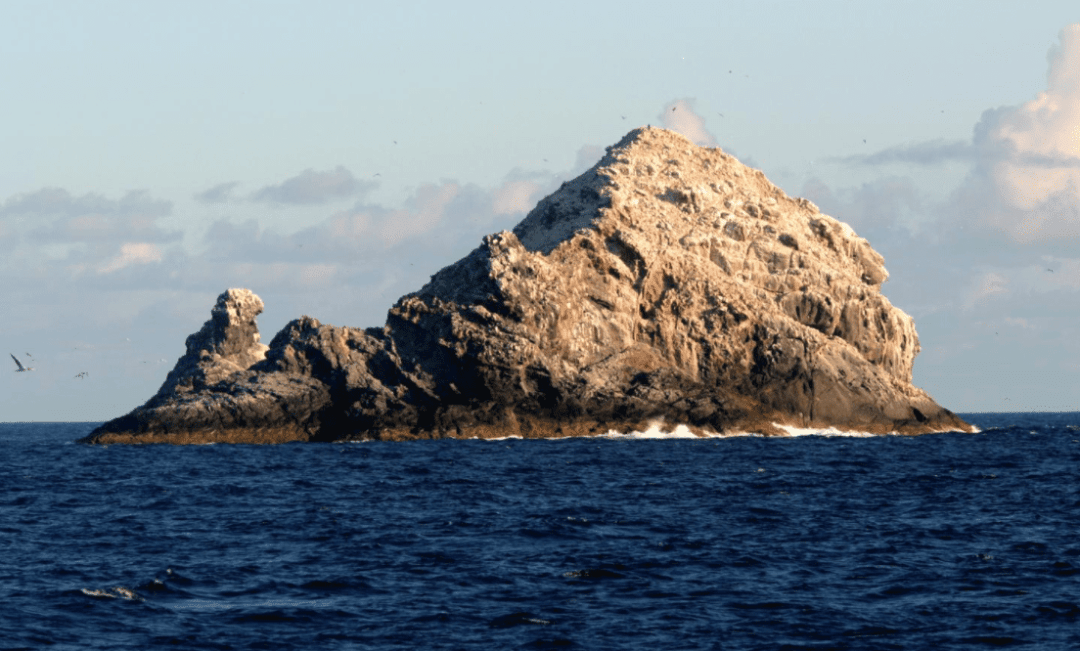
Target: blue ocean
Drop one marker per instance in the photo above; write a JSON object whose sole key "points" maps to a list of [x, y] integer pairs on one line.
{"points": [[943, 541]]}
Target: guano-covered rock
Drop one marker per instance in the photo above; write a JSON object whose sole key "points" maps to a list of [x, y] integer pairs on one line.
{"points": [[668, 283]]}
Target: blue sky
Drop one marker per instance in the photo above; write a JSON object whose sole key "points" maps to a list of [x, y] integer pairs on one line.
{"points": [[331, 156]]}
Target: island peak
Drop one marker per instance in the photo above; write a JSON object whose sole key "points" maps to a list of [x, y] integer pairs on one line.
{"points": [[668, 282]]}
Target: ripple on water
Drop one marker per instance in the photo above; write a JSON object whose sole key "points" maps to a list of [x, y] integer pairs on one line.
{"points": [[941, 541]]}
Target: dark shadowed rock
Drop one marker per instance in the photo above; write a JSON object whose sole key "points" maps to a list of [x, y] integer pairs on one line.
{"points": [[669, 282]]}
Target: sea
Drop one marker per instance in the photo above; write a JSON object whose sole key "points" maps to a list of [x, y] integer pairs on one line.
{"points": [[631, 542]]}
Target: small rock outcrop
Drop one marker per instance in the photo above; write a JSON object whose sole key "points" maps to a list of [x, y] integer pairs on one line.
{"points": [[226, 344], [667, 283]]}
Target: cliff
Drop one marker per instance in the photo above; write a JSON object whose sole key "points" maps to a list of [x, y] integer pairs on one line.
{"points": [[669, 282]]}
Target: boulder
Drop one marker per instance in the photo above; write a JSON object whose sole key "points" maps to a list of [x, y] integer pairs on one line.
{"points": [[669, 283]]}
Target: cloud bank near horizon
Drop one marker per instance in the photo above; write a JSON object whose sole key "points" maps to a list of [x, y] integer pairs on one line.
{"points": [[343, 258]]}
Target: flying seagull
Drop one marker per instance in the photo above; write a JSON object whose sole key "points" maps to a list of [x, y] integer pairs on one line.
{"points": [[19, 364]]}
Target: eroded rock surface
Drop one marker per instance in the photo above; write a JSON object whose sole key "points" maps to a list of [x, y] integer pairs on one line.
{"points": [[226, 344], [667, 282]]}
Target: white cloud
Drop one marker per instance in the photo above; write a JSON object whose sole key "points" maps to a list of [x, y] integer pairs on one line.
{"points": [[1047, 126], [987, 284], [423, 211], [1024, 179], [311, 187], [220, 193], [49, 203], [55, 217], [515, 197], [132, 253], [679, 116], [1041, 177]]}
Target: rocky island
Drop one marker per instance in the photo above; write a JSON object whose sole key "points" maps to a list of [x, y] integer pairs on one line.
{"points": [[667, 283]]}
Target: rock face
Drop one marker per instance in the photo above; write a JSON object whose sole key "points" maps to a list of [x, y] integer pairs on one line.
{"points": [[226, 344], [669, 282]]}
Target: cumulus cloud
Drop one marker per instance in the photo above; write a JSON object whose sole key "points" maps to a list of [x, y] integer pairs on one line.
{"points": [[55, 215], [57, 202], [515, 197], [217, 194], [1048, 127], [132, 253], [1024, 178], [679, 116], [1039, 182], [311, 187], [422, 212]]}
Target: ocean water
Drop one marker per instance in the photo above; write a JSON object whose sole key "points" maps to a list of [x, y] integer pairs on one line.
{"points": [[945, 541]]}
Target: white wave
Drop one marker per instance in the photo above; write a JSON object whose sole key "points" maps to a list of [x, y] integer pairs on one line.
{"points": [[791, 430], [832, 431], [113, 593], [655, 430], [660, 430]]}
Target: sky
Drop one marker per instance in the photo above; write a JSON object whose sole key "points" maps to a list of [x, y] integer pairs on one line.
{"points": [[331, 156]]}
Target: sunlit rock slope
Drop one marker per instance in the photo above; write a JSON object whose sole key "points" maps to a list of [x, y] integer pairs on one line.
{"points": [[668, 283]]}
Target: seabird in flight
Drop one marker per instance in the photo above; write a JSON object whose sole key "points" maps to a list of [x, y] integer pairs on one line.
{"points": [[19, 364]]}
